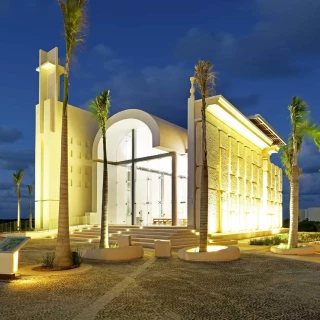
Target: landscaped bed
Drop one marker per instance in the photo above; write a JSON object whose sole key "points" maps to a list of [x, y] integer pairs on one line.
{"points": [[127, 253], [303, 237], [214, 254], [301, 250]]}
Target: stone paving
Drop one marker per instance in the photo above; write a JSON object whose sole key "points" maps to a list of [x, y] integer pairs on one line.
{"points": [[259, 286]]}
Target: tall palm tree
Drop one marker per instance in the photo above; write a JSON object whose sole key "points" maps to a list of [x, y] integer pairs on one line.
{"points": [[74, 21], [100, 109], [30, 206], [301, 128], [205, 82], [17, 179]]}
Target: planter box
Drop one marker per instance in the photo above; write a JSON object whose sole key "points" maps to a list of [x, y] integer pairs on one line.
{"points": [[114, 254], [316, 245]]}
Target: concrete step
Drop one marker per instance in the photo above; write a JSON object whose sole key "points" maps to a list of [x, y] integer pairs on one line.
{"points": [[223, 242], [84, 236]]}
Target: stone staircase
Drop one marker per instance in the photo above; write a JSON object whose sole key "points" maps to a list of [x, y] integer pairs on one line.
{"points": [[181, 237]]}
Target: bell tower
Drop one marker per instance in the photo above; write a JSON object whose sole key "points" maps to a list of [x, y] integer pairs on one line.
{"points": [[47, 146]]}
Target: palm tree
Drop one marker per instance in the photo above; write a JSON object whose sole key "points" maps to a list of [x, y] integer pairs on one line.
{"points": [[30, 206], [74, 21], [100, 110], [205, 82], [301, 128], [17, 179]]}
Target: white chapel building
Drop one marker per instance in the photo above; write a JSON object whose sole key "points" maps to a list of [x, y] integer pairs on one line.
{"points": [[154, 166]]}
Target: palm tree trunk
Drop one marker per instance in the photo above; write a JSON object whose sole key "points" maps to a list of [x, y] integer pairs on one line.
{"points": [[294, 208], [204, 185], [63, 252], [104, 239], [19, 213], [30, 213]]}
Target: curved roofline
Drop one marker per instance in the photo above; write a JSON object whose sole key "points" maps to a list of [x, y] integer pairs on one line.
{"points": [[165, 135]]}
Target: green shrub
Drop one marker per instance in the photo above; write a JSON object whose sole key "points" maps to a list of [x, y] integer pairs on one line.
{"points": [[266, 241], [309, 226], [286, 223], [113, 245], [304, 237], [76, 258], [48, 258]]}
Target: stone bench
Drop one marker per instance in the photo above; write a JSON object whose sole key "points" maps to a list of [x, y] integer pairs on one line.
{"points": [[162, 248], [124, 240]]}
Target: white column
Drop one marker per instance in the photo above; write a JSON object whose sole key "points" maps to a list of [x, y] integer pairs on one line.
{"points": [[191, 156]]}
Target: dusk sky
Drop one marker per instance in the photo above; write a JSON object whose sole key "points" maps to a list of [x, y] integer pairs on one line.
{"points": [[264, 52]]}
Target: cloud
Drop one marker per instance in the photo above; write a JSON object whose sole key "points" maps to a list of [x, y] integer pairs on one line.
{"points": [[287, 31], [309, 159], [102, 50], [245, 102], [114, 64], [4, 7], [158, 90], [9, 135], [16, 159]]}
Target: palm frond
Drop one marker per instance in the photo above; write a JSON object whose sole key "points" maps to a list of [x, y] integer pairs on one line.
{"points": [[299, 112], [100, 107], [312, 131], [17, 179], [205, 78], [75, 23]]}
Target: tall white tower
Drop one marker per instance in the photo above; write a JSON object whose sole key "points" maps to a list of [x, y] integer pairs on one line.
{"points": [[48, 133]]}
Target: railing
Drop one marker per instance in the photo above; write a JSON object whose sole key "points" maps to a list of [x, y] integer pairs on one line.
{"points": [[12, 226]]}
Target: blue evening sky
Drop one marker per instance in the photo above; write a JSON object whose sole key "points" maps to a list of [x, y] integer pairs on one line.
{"points": [[264, 51]]}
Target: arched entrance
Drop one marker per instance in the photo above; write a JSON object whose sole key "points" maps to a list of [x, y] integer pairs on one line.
{"points": [[147, 180]]}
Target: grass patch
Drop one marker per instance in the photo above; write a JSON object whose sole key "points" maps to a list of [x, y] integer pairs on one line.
{"points": [[48, 258]]}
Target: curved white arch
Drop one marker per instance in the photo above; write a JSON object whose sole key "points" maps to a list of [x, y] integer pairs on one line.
{"points": [[165, 135]]}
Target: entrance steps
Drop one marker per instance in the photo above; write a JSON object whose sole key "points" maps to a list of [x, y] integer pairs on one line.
{"points": [[181, 237]]}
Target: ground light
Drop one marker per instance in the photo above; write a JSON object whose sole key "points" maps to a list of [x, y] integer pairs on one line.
{"points": [[209, 249]]}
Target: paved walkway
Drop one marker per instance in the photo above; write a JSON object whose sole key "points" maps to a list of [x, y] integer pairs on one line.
{"points": [[265, 250], [259, 286]]}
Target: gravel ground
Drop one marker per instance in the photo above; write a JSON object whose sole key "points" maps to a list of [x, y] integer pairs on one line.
{"points": [[255, 287]]}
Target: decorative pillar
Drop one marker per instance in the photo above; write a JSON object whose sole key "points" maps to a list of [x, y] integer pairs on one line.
{"points": [[133, 177], [48, 140], [174, 189], [191, 156]]}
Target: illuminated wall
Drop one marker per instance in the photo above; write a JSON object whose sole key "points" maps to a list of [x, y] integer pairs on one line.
{"points": [[82, 131], [245, 188]]}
